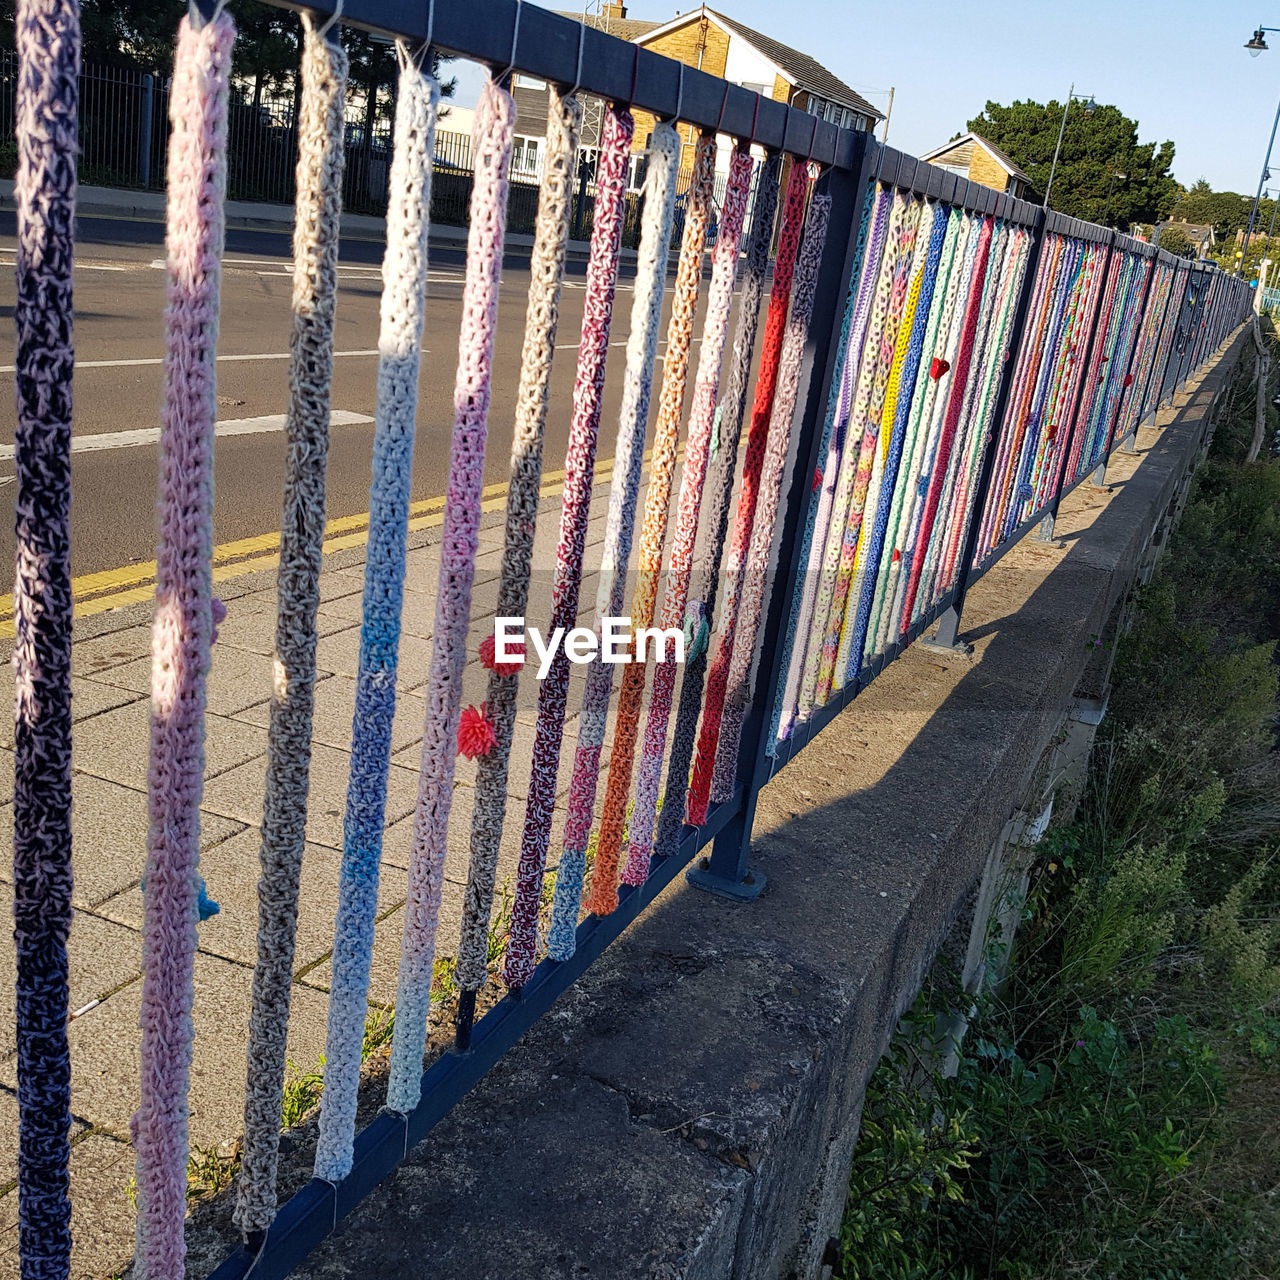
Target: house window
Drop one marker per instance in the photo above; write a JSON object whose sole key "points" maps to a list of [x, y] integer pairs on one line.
{"points": [[529, 82], [764, 90], [525, 157], [815, 105], [636, 171]]}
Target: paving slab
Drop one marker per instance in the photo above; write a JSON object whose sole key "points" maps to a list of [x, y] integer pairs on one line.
{"points": [[109, 838], [105, 1051], [231, 871]]}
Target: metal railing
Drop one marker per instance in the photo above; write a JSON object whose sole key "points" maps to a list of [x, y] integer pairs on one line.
{"points": [[1130, 355]]}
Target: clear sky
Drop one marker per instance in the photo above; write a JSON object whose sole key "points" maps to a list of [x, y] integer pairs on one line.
{"points": [[1176, 66]]}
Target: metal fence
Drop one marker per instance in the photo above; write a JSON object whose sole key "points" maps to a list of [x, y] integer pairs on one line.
{"points": [[969, 360]]}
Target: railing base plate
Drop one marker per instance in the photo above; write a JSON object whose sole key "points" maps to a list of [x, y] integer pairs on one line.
{"points": [[751, 885], [956, 649]]}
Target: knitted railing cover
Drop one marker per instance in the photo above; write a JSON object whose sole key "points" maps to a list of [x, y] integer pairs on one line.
{"points": [[624, 492], [404, 278], [47, 33], [831, 450], [318, 209], [756, 584], [584, 430], [492, 138], [181, 634], [873, 317], [555, 207], [729, 416], [775, 329], [706, 389], [603, 895]]}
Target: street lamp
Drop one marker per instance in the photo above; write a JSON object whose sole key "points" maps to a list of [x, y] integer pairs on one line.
{"points": [[1256, 46], [1089, 108]]}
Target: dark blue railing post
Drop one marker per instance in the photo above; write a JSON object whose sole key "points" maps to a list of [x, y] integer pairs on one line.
{"points": [[1100, 475], [949, 624], [724, 871], [1045, 531]]}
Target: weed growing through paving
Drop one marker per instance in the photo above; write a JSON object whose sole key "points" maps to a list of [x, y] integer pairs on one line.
{"points": [[1112, 1109]]}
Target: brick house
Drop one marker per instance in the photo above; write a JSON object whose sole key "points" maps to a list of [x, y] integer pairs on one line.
{"points": [[712, 42], [973, 157]]}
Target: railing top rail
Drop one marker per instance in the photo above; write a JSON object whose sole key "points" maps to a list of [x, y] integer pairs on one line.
{"points": [[546, 45]]}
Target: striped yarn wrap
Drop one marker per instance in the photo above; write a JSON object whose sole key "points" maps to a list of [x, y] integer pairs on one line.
{"points": [[624, 493], [894, 439], [555, 207], [47, 34], [553, 691], [492, 137], [730, 414], [958, 291], [1017, 413], [318, 210], [899, 389], [706, 390], [181, 634], [1014, 273], [921, 411], [856, 395], [869, 407], [602, 897], [818, 518], [955, 407], [775, 329], [404, 283], [738, 697], [964, 453]]}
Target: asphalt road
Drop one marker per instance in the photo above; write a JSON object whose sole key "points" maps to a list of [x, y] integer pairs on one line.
{"points": [[119, 295]]}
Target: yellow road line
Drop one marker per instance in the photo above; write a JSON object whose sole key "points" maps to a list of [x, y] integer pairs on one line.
{"points": [[135, 583]]}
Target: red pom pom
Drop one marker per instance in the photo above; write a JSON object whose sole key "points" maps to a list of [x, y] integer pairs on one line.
{"points": [[487, 648], [475, 734], [1128, 379], [938, 367], [897, 555], [817, 479]]}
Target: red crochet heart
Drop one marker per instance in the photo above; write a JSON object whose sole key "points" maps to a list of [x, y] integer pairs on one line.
{"points": [[938, 367]]}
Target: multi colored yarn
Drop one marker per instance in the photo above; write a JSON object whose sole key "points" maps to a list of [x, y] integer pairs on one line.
{"points": [[584, 430], [871, 556], [868, 407], [775, 329], [925, 402], [954, 408], [318, 209], [859, 379], [47, 34], [493, 134], [724, 461], [738, 697], [818, 517], [675, 597], [624, 492], [181, 634], [555, 207], [602, 897], [404, 279], [897, 389]]}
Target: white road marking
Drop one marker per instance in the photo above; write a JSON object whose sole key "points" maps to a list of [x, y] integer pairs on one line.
{"points": [[229, 427]]}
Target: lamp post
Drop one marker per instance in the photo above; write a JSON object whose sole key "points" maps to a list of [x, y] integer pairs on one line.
{"points": [[1258, 44], [1089, 108]]}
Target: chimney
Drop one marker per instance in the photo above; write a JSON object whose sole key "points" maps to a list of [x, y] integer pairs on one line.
{"points": [[612, 9]]}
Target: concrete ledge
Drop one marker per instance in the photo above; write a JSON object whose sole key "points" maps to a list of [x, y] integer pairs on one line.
{"points": [[690, 1108]]}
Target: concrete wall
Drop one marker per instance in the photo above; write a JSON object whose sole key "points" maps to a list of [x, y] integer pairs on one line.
{"points": [[690, 1108]]}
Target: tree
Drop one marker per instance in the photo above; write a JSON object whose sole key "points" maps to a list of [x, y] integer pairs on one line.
{"points": [[1225, 211], [1104, 174], [1173, 238]]}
